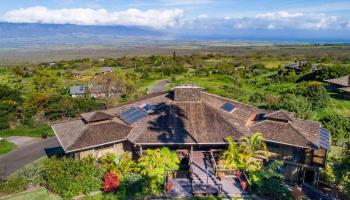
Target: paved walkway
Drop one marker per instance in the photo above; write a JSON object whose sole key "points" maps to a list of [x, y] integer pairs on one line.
{"points": [[26, 154], [159, 86]]}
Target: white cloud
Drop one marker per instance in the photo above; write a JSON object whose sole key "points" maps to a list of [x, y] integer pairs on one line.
{"points": [[87, 16], [278, 15]]}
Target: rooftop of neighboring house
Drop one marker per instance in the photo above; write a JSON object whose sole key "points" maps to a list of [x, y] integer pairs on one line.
{"points": [[106, 69], [78, 89], [341, 81], [186, 115]]}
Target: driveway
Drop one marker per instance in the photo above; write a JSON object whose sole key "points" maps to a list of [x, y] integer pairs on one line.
{"points": [[26, 154], [159, 86]]}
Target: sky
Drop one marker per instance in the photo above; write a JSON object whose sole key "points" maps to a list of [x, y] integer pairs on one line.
{"points": [[313, 17]]}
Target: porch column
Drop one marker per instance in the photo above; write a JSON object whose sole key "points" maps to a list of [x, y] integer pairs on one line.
{"points": [[141, 150]]}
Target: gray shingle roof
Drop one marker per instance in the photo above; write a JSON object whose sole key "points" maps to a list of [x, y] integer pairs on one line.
{"points": [[78, 89], [186, 122]]}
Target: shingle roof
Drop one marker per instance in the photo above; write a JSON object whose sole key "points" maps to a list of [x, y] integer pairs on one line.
{"points": [[342, 81], [78, 89], [181, 122]]}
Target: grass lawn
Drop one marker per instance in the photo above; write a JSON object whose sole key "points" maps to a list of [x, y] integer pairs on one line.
{"points": [[41, 194], [6, 146], [27, 131]]}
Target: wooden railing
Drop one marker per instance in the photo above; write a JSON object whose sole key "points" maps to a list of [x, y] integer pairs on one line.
{"points": [[314, 193]]}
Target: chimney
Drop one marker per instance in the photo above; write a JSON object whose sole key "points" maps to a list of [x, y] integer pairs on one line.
{"points": [[187, 93]]}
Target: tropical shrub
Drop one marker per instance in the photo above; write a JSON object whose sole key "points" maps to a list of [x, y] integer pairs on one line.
{"points": [[110, 182], [154, 164], [339, 126], [133, 186], [70, 178], [315, 93], [269, 182], [119, 164], [246, 155]]}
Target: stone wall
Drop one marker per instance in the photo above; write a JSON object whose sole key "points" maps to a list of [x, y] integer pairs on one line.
{"points": [[187, 94], [98, 152]]}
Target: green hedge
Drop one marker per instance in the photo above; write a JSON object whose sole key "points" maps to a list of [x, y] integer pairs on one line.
{"points": [[69, 178]]}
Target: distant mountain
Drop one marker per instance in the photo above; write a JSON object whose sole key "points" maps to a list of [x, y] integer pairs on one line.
{"points": [[26, 30]]}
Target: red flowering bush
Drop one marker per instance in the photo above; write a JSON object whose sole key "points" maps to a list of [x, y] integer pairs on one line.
{"points": [[111, 182]]}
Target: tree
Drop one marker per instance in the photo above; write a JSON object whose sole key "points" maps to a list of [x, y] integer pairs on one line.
{"points": [[45, 80], [253, 150], [293, 103], [339, 126], [315, 93], [10, 100], [247, 155], [113, 85]]}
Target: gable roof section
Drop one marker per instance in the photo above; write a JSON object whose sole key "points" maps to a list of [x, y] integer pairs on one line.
{"points": [[279, 115], [97, 116], [342, 81]]}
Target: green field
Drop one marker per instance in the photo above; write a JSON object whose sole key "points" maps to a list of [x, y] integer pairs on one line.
{"points": [[6, 146], [41, 194], [27, 131]]}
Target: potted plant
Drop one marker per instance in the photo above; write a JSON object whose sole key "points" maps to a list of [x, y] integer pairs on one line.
{"points": [[244, 185], [44, 135], [169, 183], [238, 173]]}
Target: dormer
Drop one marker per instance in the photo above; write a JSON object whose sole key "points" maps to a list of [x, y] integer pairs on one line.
{"points": [[280, 116], [96, 117]]}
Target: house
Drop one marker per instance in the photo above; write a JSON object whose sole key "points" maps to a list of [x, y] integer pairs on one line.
{"points": [[342, 84], [190, 119], [81, 90], [105, 70], [78, 90], [297, 66], [76, 74]]}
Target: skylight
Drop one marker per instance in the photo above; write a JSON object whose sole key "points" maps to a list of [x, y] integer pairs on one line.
{"points": [[229, 107], [132, 115], [149, 108]]}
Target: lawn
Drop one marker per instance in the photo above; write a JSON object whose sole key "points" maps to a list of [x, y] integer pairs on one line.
{"points": [[27, 131], [41, 194], [6, 146]]}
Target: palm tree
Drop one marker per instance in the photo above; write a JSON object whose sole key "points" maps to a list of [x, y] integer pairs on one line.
{"points": [[230, 156], [253, 150]]}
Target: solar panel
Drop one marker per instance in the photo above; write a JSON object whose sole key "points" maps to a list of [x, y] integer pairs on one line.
{"points": [[132, 115], [149, 108], [324, 139], [228, 107]]}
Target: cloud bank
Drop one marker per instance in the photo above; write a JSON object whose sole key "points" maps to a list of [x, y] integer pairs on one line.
{"points": [[175, 18], [87, 16]]}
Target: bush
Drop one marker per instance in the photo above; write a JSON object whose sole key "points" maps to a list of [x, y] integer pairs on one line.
{"points": [[339, 126], [269, 182], [298, 104], [315, 93], [70, 178], [133, 186], [111, 182], [153, 165], [13, 184]]}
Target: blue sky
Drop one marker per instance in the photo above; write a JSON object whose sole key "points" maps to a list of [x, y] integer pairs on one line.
{"points": [[319, 17]]}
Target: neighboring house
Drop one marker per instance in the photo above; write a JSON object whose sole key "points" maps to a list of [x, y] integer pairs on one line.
{"points": [[81, 90], [297, 66], [189, 119], [105, 70], [78, 90], [341, 84], [76, 74]]}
